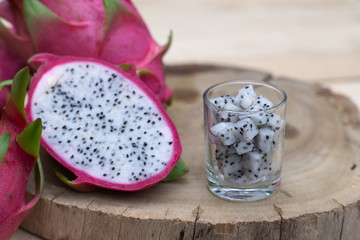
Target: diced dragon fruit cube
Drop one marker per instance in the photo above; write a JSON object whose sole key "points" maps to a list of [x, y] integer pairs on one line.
{"points": [[221, 151], [263, 102], [252, 161], [226, 109], [266, 159], [245, 97], [225, 102], [219, 128], [265, 140], [224, 133], [230, 166], [215, 132], [225, 116], [255, 108], [244, 147], [260, 118], [265, 170], [257, 165], [275, 122], [246, 129]]}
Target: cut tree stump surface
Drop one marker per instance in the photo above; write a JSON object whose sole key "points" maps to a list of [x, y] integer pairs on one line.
{"points": [[319, 196]]}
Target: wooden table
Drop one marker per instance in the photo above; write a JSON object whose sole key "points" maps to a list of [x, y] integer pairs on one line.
{"points": [[314, 41]]}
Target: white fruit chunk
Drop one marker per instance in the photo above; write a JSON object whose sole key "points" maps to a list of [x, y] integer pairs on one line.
{"points": [[265, 140], [246, 129], [244, 147], [224, 133], [246, 97]]}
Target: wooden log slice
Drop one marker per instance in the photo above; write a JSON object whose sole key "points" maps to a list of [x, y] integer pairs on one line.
{"points": [[319, 196]]}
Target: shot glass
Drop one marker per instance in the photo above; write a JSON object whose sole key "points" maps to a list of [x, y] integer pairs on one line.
{"points": [[244, 124]]}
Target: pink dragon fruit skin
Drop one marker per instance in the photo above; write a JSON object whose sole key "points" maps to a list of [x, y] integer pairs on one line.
{"points": [[84, 181], [22, 147], [9, 66], [111, 30]]}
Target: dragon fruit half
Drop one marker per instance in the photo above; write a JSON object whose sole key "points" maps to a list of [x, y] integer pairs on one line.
{"points": [[111, 30], [19, 149], [102, 123]]}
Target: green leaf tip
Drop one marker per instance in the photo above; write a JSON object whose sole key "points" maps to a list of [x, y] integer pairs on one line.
{"points": [[145, 72], [34, 9], [4, 145], [29, 139], [170, 101], [18, 89], [5, 84], [178, 171], [63, 178], [114, 9], [39, 177], [36, 13], [128, 67], [169, 42]]}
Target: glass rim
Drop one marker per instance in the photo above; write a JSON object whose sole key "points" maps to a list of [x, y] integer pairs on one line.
{"points": [[282, 102]]}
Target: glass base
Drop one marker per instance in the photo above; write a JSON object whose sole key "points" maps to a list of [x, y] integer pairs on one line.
{"points": [[243, 194]]}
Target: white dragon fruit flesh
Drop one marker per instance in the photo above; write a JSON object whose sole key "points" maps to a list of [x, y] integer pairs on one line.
{"points": [[265, 140], [231, 167], [260, 118], [223, 133], [263, 102], [101, 123], [244, 147], [246, 97], [246, 128], [225, 106], [225, 102], [275, 122], [245, 144], [222, 151]]}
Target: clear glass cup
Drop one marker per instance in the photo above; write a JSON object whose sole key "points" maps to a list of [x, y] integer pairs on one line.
{"points": [[244, 139]]}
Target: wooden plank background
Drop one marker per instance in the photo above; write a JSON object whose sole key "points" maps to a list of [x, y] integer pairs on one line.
{"points": [[315, 41]]}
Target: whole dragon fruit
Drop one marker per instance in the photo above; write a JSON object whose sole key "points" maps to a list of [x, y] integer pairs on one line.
{"points": [[111, 30], [102, 123], [19, 149]]}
